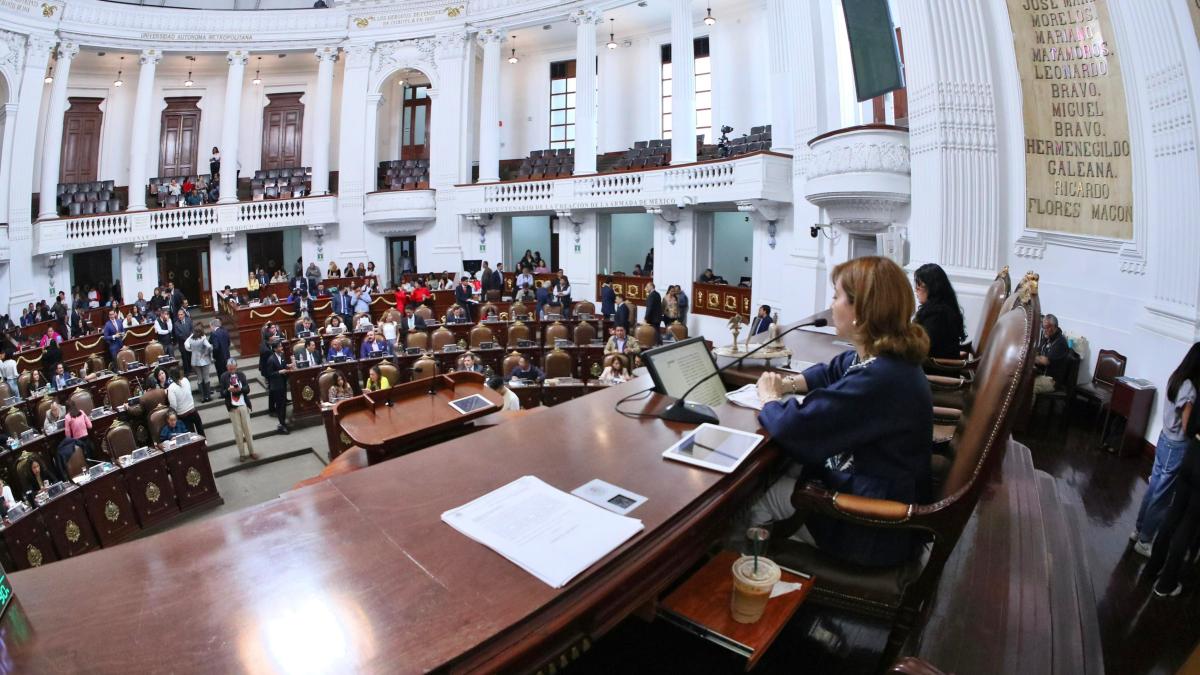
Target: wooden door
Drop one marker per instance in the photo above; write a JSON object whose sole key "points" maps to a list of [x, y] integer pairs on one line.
{"points": [[186, 263], [414, 138], [283, 126], [81, 140], [92, 268], [265, 250], [177, 147]]}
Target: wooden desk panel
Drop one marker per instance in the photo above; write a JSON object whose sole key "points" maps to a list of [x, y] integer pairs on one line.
{"points": [[192, 476], [109, 508], [151, 489], [67, 522], [26, 543]]}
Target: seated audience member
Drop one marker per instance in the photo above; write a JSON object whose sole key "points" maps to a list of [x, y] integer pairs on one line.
{"points": [[37, 382], [1051, 360], [364, 322], [53, 415], [376, 380], [762, 322], [938, 312], [615, 373], [526, 294], [707, 277], [540, 267], [341, 388], [511, 402], [637, 271], [340, 347], [60, 377], [310, 355], [470, 364], [335, 326], [173, 427], [884, 456], [1178, 411], [374, 342], [458, 315], [306, 326], [526, 371], [620, 344], [333, 272]]}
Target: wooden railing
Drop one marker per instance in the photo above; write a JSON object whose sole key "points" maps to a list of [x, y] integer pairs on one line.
{"points": [[720, 300], [634, 288]]}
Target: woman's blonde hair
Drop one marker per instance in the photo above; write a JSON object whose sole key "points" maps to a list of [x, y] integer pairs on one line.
{"points": [[883, 303]]}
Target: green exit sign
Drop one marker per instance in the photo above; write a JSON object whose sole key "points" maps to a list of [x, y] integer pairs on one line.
{"points": [[6, 592]]}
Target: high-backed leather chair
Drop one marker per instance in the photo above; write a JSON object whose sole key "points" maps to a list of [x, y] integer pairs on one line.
{"points": [[5, 392], [116, 392], [511, 361], [518, 309], [678, 330], [124, 358], [488, 307], [441, 337], [647, 335], [585, 307], [76, 463], [585, 332], [39, 413], [559, 364], [23, 383], [82, 398], [609, 358], [391, 372], [424, 311], [151, 399], [15, 422], [480, 334], [555, 331], [1110, 365], [325, 381], [157, 420], [1004, 370], [119, 440], [95, 363], [153, 351], [425, 367], [517, 330], [360, 315], [417, 339]]}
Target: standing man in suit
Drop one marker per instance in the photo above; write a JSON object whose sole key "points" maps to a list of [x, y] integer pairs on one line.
{"points": [[608, 298], [219, 339], [654, 308], [276, 373], [235, 390], [73, 325], [114, 334], [343, 305], [485, 279], [176, 297], [300, 287], [625, 315], [498, 278], [462, 296]]}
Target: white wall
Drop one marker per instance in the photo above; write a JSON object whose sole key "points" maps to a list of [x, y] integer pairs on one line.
{"points": [[732, 245], [632, 235], [530, 232]]}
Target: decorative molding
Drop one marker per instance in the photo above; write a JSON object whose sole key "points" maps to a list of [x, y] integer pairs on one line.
{"points": [[40, 44], [327, 53], [952, 116], [493, 36], [417, 54], [12, 51], [237, 57], [67, 50], [150, 56], [876, 156], [450, 44], [358, 54], [586, 16]]}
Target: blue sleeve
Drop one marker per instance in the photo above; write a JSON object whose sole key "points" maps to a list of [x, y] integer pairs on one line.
{"points": [[821, 375]]}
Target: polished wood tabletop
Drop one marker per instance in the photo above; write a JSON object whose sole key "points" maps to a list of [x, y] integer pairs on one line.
{"points": [[358, 573], [416, 408]]}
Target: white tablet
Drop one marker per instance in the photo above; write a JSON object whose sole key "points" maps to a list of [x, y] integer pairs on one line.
{"points": [[470, 403], [714, 447]]}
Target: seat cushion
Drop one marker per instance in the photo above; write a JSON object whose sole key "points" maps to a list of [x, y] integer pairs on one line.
{"points": [[870, 590], [1094, 392]]}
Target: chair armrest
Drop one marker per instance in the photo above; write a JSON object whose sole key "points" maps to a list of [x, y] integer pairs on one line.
{"points": [[946, 383], [911, 665], [862, 510], [943, 415]]}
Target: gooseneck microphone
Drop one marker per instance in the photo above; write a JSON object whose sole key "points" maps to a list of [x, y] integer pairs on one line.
{"points": [[688, 412]]}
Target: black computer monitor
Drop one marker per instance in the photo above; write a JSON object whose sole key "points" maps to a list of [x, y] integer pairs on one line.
{"points": [[676, 367], [472, 266]]}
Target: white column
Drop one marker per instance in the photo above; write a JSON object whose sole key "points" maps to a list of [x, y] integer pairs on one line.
{"points": [[20, 277], [585, 21], [683, 84], [52, 141], [139, 142], [782, 22], [352, 146], [231, 126], [323, 115], [489, 107], [375, 100], [8, 113]]}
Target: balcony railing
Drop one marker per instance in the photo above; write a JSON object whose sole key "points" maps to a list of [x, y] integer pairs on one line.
{"points": [[69, 234], [762, 175], [399, 205]]}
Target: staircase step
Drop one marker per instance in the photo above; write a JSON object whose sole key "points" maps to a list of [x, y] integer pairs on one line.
{"points": [[225, 460], [220, 435]]}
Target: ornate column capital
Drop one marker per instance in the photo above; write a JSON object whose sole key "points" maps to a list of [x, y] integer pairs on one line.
{"points": [[490, 36], [237, 57], [586, 16], [359, 53], [150, 56], [328, 53], [67, 50], [451, 44], [40, 44]]}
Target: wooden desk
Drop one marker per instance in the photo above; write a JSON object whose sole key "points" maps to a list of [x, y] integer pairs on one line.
{"points": [[1131, 403], [192, 475], [393, 588], [249, 321], [109, 508], [151, 489], [26, 543]]}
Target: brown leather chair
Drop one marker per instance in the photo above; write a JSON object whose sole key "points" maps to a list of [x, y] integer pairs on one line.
{"points": [[325, 381], [481, 333], [157, 420], [95, 363], [124, 358], [5, 392], [391, 372], [1004, 369], [518, 309], [76, 463], [511, 360], [417, 339], [82, 398], [23, 383], [559, 364], [585, 307], [609, 358], [39, 413], [424, 311], [119, 440], [488, 307], [555, 331], [393, 314], [1109, 366], [517, 330], [151, 399], [425, 367], [647, 335], [585, 332], [678, 330], [441, 337], [153, 351], [15, 422], [116, 392], [360, 315]]}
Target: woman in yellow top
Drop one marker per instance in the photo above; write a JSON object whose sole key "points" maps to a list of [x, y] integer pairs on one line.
{"points": [[252, 286], [376, 381]]}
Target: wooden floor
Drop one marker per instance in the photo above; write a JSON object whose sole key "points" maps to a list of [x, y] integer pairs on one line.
{"points": [[1141, 633]]}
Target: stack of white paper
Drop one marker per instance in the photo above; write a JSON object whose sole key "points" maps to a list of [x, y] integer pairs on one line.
{"points": [[747, 397], [550, 534]]}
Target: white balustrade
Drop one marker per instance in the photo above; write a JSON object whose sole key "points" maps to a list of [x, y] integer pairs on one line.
{"points": [[99, 227], [271, 210], [166, 220], [526, 192], [700, 177], [622, 184]]}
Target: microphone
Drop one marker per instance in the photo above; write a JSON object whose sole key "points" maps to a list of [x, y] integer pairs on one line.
{"points": [[697, 413]]}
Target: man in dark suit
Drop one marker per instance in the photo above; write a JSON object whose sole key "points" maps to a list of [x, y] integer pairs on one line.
{"points": [[219, 339], [411, 318], [608, 299], [762, 322], [300, 288], [176, 298], [235, 390], [114, 335], [498, 278], [462, 296], [625, 315], [654, 306], [275, 371], [485, 279], [73, 325], [343, 305]]}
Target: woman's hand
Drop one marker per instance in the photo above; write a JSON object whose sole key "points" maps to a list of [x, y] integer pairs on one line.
{"points": [[770, 387]]}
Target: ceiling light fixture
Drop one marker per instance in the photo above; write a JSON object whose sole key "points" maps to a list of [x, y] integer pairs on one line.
{"points": [[513, 56], [257, 80], [709, 19], [119, 82], [188, 82], [49, 74], [612, 43]]}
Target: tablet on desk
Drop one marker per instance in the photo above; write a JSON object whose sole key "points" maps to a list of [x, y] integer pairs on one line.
{"points": [[714, 447], [470, 403]]}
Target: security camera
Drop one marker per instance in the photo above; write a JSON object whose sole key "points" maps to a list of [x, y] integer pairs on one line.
{"points": [[814, 231]]}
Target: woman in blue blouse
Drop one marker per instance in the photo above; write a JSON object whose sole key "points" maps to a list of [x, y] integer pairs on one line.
{"points": [[866, 420]]}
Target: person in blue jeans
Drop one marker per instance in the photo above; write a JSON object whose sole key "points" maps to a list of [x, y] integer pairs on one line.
{"points": [[1169, 452]]}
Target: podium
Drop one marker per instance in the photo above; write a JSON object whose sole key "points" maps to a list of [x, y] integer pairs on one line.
{"points": [[397, 420]]}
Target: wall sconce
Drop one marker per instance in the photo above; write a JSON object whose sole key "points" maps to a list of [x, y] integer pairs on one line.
{"points": [[319, 232], [51, 263], [139, 250], [481, 220], [670, 215], [227, 239]]}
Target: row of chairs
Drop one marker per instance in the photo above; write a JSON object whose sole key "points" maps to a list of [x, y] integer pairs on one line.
{"points": [[88, 203], [548, 164], [642, 156], [86, 186], [286, 172]]}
